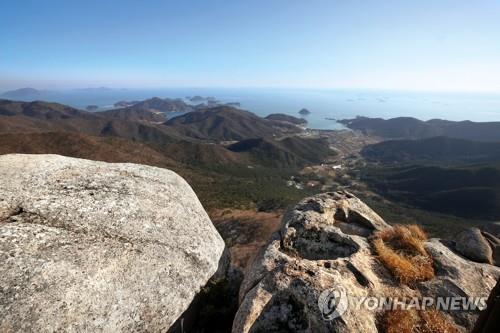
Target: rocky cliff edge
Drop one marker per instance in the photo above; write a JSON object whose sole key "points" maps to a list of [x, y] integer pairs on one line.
{"points": [[98, 247]]}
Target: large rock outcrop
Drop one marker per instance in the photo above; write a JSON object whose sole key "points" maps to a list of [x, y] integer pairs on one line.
{"points": [[477, 245], [97, 247], [325, 243]]}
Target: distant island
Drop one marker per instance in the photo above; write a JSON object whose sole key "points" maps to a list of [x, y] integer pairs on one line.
{"points": [[197, 99], [22, 92], [305, 112], [91, 107], [153, 109], [124, 104], [209, 102]]}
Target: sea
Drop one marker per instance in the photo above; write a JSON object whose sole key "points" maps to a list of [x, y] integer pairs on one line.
{"points": [[326, 106]]}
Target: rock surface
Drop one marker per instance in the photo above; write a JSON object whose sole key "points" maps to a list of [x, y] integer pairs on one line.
{"points": [[98, 247], [324, 244], [494, 243], [473, 245]]}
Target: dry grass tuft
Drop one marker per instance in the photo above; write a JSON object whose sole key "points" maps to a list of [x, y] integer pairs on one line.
{"points": [[417, 231], [413, 321], [400, 321], [401, 250], [434, 321]]}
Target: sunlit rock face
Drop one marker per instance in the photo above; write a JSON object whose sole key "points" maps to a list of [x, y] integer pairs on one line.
{"points": [[325, 244], [98, 247]]}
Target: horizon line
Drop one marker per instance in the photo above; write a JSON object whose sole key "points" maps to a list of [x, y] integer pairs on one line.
{"points": [[194, 87]]}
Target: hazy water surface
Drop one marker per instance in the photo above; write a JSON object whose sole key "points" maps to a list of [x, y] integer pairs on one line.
{"points": [[336, 104]]}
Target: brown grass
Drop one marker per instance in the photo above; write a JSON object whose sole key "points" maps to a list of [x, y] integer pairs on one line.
{"points": [[434, 321], [413, 321], [417, 231], [401, 250], [400, 321]]}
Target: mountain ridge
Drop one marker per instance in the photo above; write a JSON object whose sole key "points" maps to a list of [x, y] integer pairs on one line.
{"points": [[225, 123], [412, 128], [433, 150]]}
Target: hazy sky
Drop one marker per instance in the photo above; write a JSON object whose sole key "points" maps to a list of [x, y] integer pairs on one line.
{"points": [[400, 44]]}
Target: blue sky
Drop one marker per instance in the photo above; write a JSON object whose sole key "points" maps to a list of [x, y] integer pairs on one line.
{"points": [[412, 45]]}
